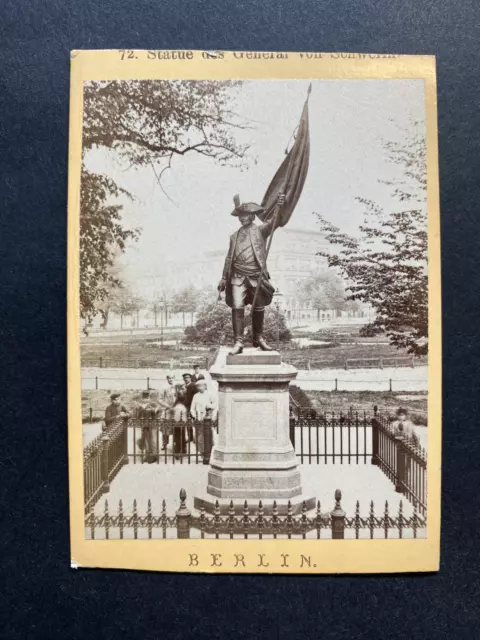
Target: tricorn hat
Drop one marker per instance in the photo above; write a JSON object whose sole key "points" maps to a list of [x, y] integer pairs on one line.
{"points": [[246, 207]]}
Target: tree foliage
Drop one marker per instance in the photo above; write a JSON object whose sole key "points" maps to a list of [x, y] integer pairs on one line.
{"points": [[325, 290], [147, 121], [185, 301], [214, 326], [124, 302], [101, 237], [386, 263], [144, 122]]}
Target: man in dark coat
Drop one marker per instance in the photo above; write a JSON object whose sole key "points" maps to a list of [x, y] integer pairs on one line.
{"points": [[245, 261], [191, 390], [114, 410], [196, 373]]}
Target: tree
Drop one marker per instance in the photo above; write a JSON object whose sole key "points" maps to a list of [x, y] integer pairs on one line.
{"points": [[124, 302], [147, 121], [214, 326], [137, 303], [206, 295], [144, 123], [323, 290], [157, 308], [185, 301], [101, 238], [387, 263]]}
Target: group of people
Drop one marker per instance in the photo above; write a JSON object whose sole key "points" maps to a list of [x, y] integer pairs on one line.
{"points": [[175, 404], [189, 398]]}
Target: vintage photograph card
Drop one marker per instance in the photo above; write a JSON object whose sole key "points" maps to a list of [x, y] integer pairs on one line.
{"points": [[254, 319]]}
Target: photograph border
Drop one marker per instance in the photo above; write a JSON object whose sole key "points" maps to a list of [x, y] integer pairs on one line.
{"points": [[268, 555]]}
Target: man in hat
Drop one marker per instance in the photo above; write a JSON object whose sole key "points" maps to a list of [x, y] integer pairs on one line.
{"points": [[244, 263], [150, 426], [169, 400], [196, 373], [190, 390], [203, 411], [114, 410], [140, 413]]}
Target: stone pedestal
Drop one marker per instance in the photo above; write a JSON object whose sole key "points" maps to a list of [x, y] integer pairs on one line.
{"points": [[254, 458]]}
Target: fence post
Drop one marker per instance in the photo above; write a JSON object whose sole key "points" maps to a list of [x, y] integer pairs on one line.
{"points": [[413, 362], [338, 518], [125, 441], [91, 414], [381, 363], [96, 383], [390, 387], [105, 480], [308, 364], [400, 474], [336, 385], [207, 440], [148, 384], [346, 365], [101, 362], [375, 438], [292, 430], [183, 518]]}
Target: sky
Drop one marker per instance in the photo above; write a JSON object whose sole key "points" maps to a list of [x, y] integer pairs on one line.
{"points": [[349, 122]]}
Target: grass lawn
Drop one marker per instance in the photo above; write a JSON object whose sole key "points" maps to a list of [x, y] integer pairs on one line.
{"points": [[387, 403], [336, 355], [139, 353], [136, 351]]}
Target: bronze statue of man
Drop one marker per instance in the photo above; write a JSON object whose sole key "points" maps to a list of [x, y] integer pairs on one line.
{"points": [[245, 271]]}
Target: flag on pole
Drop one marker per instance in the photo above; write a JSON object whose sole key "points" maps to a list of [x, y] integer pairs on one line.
{"points": [[291, 175]]}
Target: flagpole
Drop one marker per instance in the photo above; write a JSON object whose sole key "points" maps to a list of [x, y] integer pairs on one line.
{"points": [[275, 216]]}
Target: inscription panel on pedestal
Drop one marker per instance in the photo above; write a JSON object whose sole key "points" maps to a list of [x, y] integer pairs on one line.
{"points": [[254, 419]]}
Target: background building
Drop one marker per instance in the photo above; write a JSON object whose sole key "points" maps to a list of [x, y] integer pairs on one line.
{"points": [[292, 260]]}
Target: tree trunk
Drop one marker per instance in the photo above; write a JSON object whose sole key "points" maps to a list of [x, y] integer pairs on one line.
{"points": [[155, 312], [121, 320]]}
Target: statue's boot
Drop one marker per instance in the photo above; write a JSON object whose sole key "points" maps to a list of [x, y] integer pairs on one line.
{"points": [[257, 330], [238, 322]]}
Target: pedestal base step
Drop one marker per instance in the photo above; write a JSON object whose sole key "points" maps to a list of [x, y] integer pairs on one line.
{"points": [[208, 503], [255, 357]]}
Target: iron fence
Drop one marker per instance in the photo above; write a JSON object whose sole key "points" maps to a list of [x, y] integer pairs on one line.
{"points": [[108, 382], [160, 440], [102, 460], [331, 437], [145, 363], [253, 522], [326, 438], [401, 459], [384, 361], [334, 438]]}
